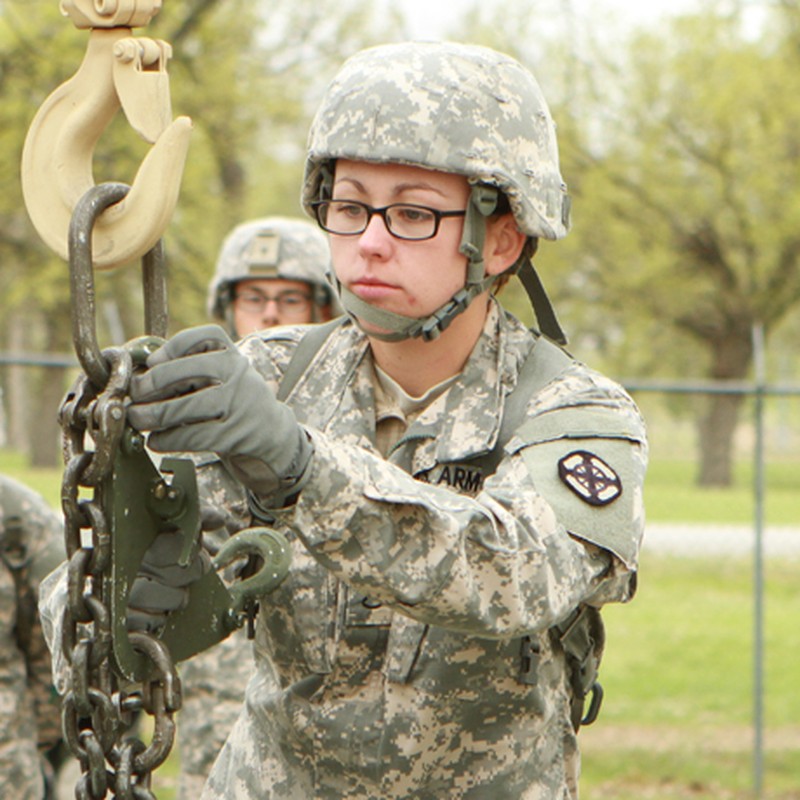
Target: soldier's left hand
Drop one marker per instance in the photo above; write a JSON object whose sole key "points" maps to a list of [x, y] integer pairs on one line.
{"points": [[200, 393], [161, 585]]}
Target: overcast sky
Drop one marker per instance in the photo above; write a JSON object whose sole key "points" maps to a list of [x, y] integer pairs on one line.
{"points": [[429, 19]]}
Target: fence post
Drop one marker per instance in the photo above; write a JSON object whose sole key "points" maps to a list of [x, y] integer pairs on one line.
{"points": [[758, 561]]}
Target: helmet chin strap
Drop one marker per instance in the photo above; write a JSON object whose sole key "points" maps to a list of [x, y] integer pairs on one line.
{"points": [[230, 322], [545, 313], [397, 327]]}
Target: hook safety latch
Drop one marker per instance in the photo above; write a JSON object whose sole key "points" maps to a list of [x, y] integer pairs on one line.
{"points": [[118, 71]]}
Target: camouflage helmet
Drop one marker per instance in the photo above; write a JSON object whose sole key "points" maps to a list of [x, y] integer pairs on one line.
{"points": [[451, 107], [271, 247]]}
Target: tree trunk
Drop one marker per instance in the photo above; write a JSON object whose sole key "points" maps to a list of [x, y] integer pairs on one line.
{"points": [[45, 434], [716, 430], [732, 355], [16, 389]]}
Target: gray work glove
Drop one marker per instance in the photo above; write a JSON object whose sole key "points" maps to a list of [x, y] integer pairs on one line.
{"points": [[200, 393], [161, 585]]}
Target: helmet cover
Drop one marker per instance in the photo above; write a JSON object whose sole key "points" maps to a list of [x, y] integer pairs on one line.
{"points": [[455, 108], [271, 247]]}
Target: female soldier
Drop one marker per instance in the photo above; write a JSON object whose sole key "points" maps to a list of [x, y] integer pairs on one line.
{"points": [[460, 495]]}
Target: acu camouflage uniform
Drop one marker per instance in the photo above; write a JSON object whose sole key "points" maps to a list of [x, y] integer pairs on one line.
{"points": [[389, 662], [31, 545]]}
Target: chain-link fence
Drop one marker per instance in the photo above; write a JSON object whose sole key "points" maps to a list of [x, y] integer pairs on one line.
{"points": [[781, 542]]}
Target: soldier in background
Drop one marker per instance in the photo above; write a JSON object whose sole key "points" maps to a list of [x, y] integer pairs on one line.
{"points": [[270, 272], [31, 545]]}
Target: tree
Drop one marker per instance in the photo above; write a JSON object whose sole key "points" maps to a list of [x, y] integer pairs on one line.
{"points": [[681, 156], [701, 180], [246, 72], [34, 283]]}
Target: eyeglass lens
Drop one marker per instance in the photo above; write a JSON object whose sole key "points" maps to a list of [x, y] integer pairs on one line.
{"points": [[406, 221], [288, 302]]}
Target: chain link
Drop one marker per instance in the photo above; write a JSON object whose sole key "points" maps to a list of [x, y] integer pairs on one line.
{"points": [[98, 708], [106, 689]]}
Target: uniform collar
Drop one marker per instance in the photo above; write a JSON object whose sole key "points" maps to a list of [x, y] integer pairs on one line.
{"points": [[464, 422]]}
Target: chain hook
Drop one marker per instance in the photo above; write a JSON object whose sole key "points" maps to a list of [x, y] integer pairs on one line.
{"points": [[118, 71]]}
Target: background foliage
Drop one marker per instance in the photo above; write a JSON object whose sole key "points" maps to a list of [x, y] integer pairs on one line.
{"points": [[678, 145]]}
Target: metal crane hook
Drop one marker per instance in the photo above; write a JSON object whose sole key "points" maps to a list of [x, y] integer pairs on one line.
{"points": [[118, 70]]}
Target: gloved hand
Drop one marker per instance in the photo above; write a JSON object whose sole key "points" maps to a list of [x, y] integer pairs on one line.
{"points": [[161, 585], [200, 393]]}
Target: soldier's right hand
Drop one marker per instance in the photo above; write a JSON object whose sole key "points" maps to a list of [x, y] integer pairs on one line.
{"points": [[200, 393]]}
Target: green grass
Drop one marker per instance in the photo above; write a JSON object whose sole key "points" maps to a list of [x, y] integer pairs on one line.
{"points": [[45, 481], [691, 624], [678, 774], [671, 496], [678, 673]]}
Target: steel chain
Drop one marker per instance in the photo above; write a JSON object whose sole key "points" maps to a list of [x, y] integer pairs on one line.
{"points": [[100, 704], [98, 710]]}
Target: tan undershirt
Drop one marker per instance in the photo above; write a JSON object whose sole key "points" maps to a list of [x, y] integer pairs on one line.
{"points": [[395, 409]]}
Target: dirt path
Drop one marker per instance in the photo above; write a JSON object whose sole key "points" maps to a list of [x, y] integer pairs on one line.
{"points": [[710, 739], [698, 744]]}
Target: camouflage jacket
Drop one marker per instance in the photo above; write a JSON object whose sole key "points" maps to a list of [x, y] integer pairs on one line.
{"points": [[388, 662], [31, 544]]}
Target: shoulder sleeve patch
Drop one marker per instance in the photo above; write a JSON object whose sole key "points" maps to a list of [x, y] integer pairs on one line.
{"points": [[590, 478], [595, 487]]}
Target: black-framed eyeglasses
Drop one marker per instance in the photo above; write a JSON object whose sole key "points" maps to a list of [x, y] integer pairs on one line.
{"points": [[289, 302], [402, 220]]}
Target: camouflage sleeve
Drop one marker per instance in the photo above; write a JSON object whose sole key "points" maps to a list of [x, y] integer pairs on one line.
{"points": [[33, 546], [20, 763], [47, 552], [271, 351], [511, 561]]}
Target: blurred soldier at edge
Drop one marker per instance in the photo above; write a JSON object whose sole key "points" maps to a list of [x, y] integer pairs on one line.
{"points": [[31, 545], [270, 272]]}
